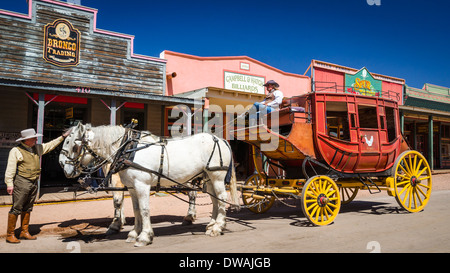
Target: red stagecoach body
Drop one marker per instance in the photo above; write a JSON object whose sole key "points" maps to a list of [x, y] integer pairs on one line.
{"points": [[350, 133]]}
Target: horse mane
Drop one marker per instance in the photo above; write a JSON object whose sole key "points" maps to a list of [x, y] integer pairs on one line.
{"points": [[107, 138]]}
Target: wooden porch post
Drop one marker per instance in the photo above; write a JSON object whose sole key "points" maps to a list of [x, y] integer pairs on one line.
{"points": [[430, 142]]}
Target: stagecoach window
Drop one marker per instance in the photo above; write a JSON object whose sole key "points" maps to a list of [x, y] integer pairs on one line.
{"points": [[352, 120], [337, 120], [390, 123], [367, 116]]}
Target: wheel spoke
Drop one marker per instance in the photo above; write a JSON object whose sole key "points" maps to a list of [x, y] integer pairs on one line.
{"points": [[309, 194], [425, 178], [410, 194], [332, 205], [330, 193], [405, 177], [413, 193], [312, 190], [420, 173], [404, 188], [406, 194], [314, 212], [312, 206], [416, 190], [325, 212], [418, 165], [410, 166], [406, 172], [425, 186], [333, 199], [406, 166], [403, 182]]}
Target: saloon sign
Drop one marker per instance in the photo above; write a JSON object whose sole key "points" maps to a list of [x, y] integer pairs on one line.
{"points": [[362, 82], [61, 43]]}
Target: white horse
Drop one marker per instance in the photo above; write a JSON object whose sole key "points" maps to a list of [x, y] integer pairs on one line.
{"points": [[184, 159]]}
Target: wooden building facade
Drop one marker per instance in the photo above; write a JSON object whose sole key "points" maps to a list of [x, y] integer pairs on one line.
{"points": [[57, 68], [426, 122]]}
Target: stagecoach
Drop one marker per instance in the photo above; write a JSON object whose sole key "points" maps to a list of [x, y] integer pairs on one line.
{"points": [[325, 146], [321, 147]]}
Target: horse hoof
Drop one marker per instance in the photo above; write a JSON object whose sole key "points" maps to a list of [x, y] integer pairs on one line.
{"points": [[212, 233], [142, 243], [130, 240], [111, 231], [186, 222], [190, 218]]}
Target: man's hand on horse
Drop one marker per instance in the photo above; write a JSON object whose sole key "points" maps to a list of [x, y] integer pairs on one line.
{"points": [[67, 133]]}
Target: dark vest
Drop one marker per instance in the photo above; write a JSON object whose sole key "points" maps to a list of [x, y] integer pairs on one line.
{"points": [[30, 167]]}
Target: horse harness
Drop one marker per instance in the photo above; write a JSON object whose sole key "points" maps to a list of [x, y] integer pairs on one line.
{"points": [[124, 157]]}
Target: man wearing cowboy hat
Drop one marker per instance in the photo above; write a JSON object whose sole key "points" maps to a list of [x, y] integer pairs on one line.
{"points": [[272, 101], [21, 175]]}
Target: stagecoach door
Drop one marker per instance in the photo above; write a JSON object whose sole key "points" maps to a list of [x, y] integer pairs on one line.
{"points": [[368, 137]]}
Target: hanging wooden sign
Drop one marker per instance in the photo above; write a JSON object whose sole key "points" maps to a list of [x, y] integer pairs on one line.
{"points": [[61, 43]]}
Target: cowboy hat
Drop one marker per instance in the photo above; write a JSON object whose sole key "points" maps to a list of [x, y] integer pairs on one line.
{"points": [[272, 82], [28, 133]]}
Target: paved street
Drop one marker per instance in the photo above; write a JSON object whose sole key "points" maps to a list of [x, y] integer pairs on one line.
{"points": [[369, 223]]}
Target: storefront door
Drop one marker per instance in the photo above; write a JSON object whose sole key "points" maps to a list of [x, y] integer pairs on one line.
{"points": [[60, 114]]}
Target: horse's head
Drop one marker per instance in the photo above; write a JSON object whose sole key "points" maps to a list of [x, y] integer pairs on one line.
{"points": [[73, 154]]}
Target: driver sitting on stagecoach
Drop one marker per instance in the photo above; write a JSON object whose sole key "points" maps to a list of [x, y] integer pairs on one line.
{"points": [[271, 103]]}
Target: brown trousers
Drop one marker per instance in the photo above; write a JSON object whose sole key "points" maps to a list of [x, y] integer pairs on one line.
{"points": [[24, 195]]}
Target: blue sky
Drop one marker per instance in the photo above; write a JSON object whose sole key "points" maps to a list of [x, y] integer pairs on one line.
{"points": [[409, 39]]}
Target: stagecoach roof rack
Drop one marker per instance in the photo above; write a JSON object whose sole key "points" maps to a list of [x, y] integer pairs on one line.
{"points": [[333, 87]]}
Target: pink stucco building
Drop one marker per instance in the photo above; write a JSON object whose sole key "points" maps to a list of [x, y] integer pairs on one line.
{"points": [[235, 73]]}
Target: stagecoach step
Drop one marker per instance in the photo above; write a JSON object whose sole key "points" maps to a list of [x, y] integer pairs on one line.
{"points": [[371, 183]]}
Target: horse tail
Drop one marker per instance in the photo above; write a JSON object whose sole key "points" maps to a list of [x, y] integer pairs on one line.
{"points": [[233, 186]]}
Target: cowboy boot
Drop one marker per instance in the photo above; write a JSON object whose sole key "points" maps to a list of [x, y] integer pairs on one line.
{"points": [[25, 220], [10, 237]]}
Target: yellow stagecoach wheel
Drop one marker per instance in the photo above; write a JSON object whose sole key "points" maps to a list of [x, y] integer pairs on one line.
{"points": [[251, 197], [320, 200], [348, 194], [412, 181]]}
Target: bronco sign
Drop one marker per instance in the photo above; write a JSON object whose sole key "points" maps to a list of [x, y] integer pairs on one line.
{"points": [[61, 43]]}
